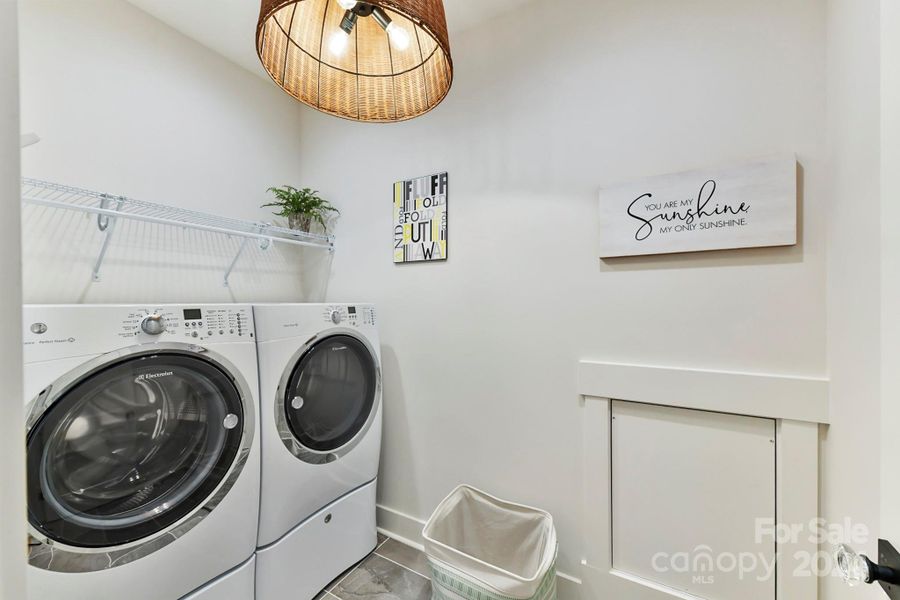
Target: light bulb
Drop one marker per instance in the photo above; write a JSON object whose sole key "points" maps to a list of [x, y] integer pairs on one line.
{"points": [[399, 36], [347, 4], [338, 42]]}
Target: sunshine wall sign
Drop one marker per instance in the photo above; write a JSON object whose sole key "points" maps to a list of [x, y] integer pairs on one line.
{"points": [[752, 204]]}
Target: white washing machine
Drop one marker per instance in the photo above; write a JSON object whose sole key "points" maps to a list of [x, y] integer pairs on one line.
{"points": [[143, 452], [320, 419]]}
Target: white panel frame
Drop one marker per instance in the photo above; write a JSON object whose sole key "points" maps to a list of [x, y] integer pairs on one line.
{"points": [[889, 526], [792, 402], [751, 394], [12, 434]]}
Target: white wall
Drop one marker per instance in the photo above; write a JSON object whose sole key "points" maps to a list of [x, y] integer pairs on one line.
{"points": [[127, 105], [12, 435], [548, 104], [850, 465]]}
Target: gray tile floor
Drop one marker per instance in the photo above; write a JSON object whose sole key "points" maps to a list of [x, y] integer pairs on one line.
{"points": [[394, 571]]}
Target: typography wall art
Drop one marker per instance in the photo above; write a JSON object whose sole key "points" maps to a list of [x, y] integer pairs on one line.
{"points": [[743, 206], [420, 219]]}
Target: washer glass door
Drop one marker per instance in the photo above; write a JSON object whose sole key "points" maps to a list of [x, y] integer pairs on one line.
{"points": [[132, 448], [331, 393]]}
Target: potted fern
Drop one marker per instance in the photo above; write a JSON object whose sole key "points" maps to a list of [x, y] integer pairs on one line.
{"points": [[301, 207]]}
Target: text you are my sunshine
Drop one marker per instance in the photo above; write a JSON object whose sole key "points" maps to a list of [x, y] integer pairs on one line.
{"points": [[685, 213]]}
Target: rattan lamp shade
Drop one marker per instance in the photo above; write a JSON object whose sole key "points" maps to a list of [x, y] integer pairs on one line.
{"points": [[370, 79]]}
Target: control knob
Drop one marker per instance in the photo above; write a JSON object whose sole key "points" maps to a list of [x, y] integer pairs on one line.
{"points": [[153, 324], [336, 317]]}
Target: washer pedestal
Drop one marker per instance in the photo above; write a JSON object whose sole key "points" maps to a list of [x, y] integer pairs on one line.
{"points": [[310, 556], [235, 585]]}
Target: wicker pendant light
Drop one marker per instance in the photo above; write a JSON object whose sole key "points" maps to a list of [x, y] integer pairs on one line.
{"points": [[379, 60]]}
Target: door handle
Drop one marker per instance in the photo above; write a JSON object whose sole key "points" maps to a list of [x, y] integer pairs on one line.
{"points": [[858, 568]]}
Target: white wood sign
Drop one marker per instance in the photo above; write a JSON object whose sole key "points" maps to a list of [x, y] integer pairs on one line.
{"points": [[744, 206]]}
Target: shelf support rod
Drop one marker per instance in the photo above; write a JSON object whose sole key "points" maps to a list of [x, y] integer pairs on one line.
{"points": [[264, 244], [234, 261], [106, 224]]}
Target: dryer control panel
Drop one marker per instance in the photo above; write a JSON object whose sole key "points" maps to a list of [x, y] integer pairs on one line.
{"points": [[349, 314], [279, 321]]}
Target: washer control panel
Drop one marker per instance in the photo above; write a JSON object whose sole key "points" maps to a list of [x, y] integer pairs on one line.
{"points": [[148, 322], [349, 315], [217, 323], [52, 331], [153, 324], [188, 324]]}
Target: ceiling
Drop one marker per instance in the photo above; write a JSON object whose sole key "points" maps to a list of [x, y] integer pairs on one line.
{"points": [[228, 26]]}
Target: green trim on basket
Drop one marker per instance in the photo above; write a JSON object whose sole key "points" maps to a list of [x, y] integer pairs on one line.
{"points": [[441, 578]]}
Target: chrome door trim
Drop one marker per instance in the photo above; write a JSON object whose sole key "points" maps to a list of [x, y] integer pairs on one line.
{"points": [[48, 554], [290, 442]]}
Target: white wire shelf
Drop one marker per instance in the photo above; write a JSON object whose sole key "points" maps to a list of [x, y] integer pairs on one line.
{"points": [[109, 208]]}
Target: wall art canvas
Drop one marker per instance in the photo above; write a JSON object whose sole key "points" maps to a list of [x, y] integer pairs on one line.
{"points": [[420, 219], [742, 206]]}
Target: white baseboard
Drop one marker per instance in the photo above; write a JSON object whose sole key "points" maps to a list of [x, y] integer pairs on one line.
{"points": [[403, 527], [408, 529]]}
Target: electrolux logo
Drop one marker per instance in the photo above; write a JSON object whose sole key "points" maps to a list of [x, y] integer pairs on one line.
{"points": [[144, 376]]}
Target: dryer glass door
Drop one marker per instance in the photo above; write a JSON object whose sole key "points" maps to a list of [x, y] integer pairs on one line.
{"points": [[331, 393], [131, 449]]}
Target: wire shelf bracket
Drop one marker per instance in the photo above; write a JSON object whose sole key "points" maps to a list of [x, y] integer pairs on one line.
{"points": [[109, 209], [106, 224], [263, 245]]}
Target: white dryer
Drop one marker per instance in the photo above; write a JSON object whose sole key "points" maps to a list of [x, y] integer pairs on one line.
{"points": [[320, 418], [143, 452]]}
